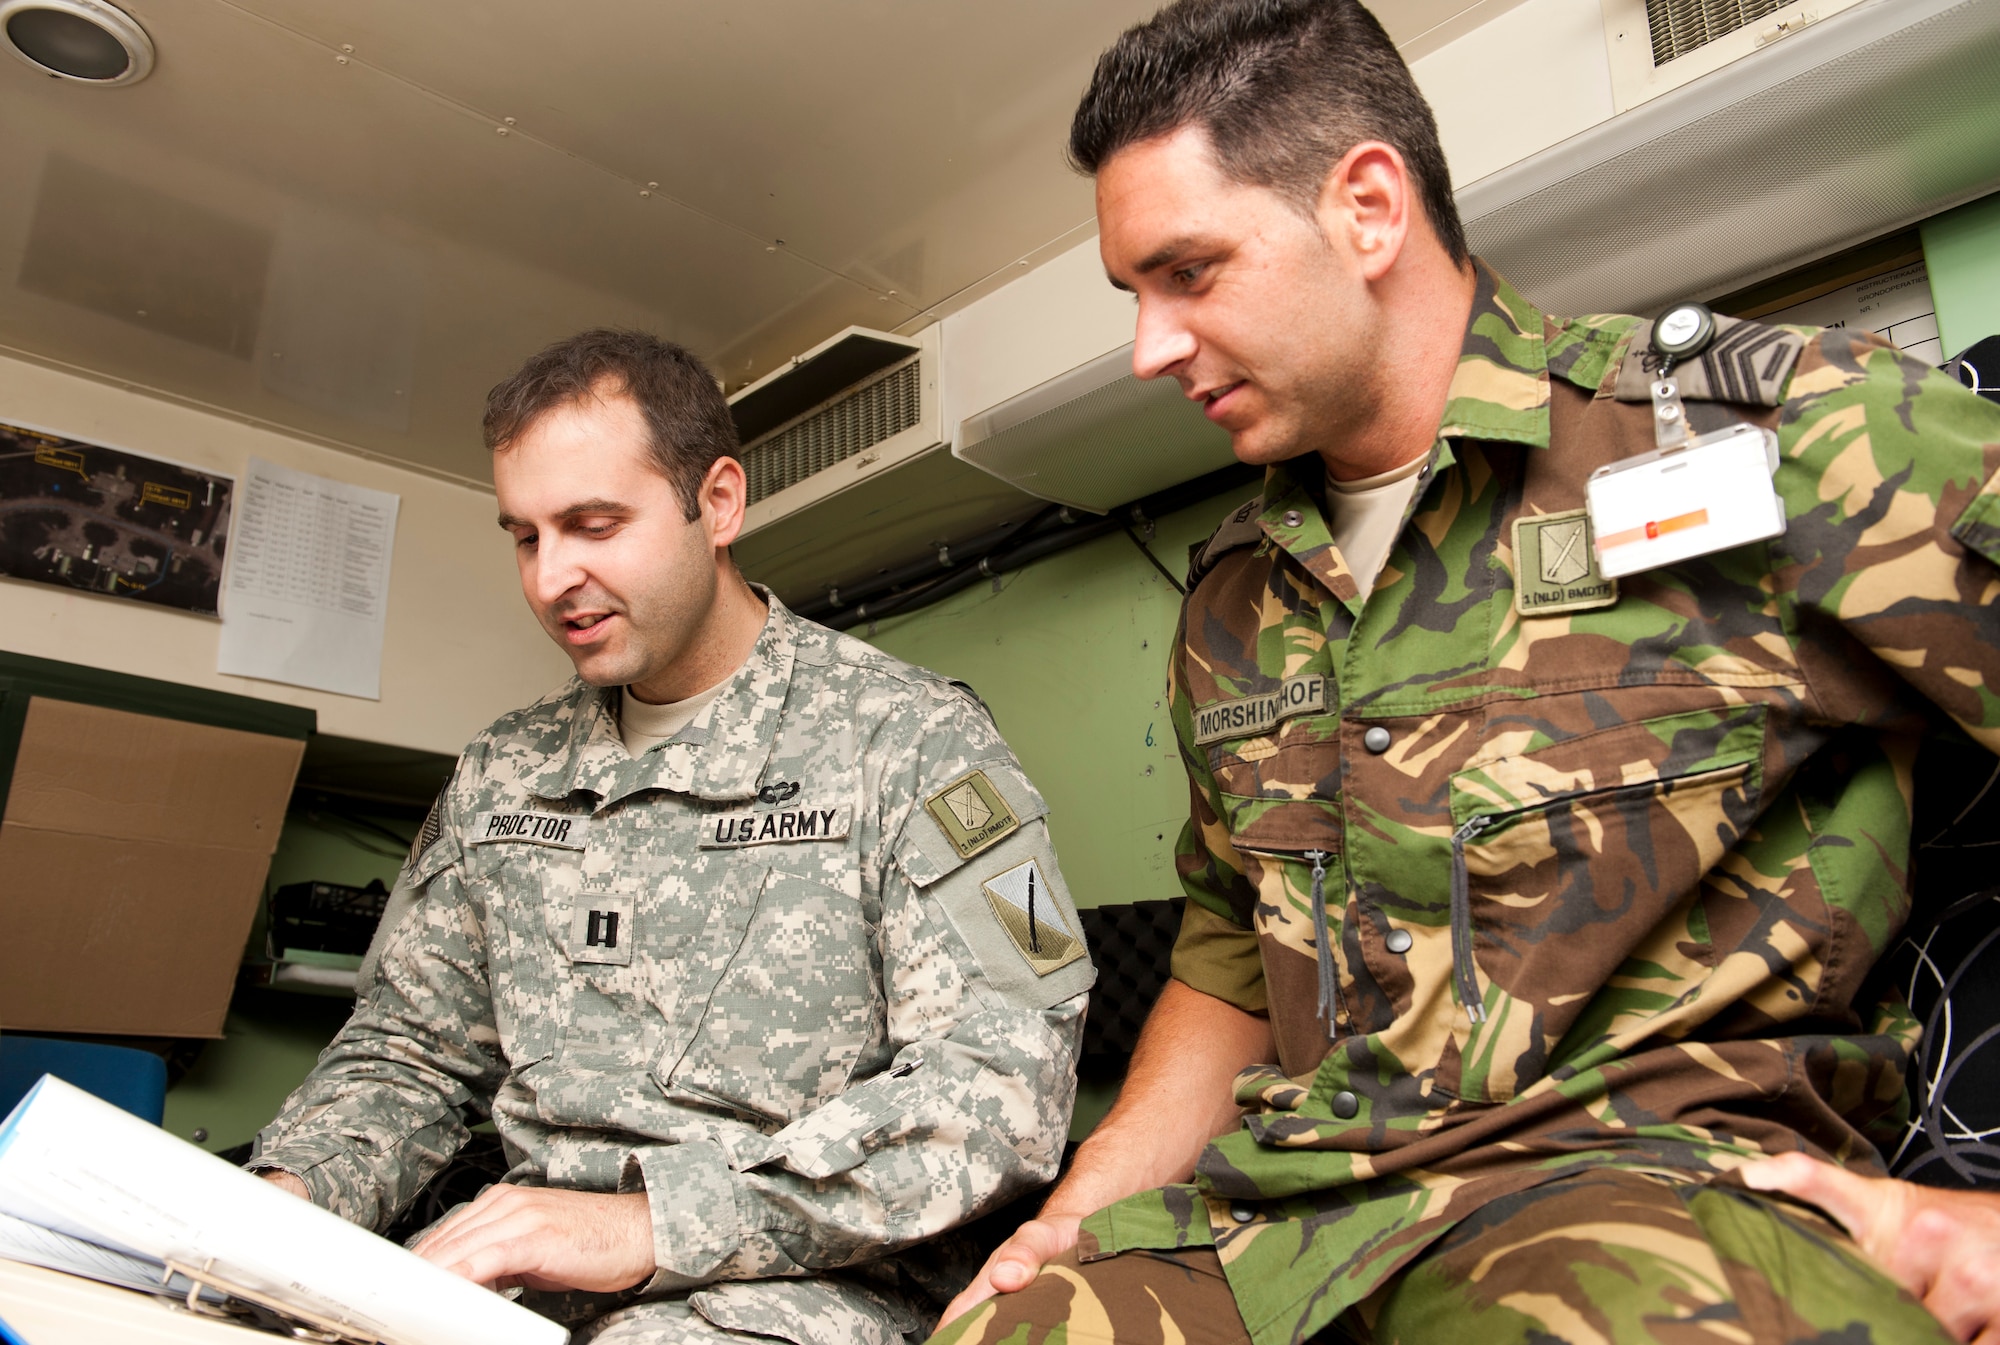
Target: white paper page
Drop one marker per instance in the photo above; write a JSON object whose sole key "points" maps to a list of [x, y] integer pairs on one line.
{"points": [[117, 1180], [307, 592], [39, 1246], [1897, 305]]}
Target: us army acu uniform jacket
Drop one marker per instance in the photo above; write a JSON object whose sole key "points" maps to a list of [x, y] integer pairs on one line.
{"points": [[1602, 865], [806, 974]]}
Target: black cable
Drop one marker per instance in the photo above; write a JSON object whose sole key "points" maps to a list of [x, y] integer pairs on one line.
{"points": [[1030, 542], [969, 552], [1147, 552]]}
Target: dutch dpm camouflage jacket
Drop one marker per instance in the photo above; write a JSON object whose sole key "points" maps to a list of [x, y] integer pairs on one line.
{"points": [[806, 974], [1601, 866]]}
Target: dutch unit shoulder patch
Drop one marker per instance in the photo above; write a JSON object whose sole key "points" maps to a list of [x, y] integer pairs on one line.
{"points": [[1027, 910], [1555, 566], [972, 814]]}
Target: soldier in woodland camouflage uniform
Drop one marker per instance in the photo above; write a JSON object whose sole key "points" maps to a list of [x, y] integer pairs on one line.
{"points": [[755, 1011], [1529, 908]]}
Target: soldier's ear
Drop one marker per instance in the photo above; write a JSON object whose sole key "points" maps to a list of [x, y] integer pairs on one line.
{"points": [[724, 496], [1365, 205]]}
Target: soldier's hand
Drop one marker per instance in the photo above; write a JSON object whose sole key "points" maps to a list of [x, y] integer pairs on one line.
{"points": [[1016, 1262], [285, 1181], [546, 1239], [1943, 1246]]}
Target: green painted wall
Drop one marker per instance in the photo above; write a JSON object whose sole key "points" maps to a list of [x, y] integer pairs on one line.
{"points": [[1962, 254], [1071, 654]]}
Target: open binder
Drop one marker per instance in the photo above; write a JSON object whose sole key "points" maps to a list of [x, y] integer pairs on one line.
{"points": [[117, 1199]]}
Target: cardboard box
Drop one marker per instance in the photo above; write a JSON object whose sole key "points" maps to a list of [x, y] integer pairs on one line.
{"points": [[133, 853]]}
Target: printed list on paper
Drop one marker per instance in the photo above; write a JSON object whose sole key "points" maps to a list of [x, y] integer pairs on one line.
{"points": [[308, 587]]}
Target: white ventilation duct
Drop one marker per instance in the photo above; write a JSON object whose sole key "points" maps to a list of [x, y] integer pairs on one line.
{"points": [[1095, 437], [848, 409]]}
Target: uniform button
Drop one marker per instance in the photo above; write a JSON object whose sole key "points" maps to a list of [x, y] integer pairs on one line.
{"points": [[1376, 740], [1345, 1104], [1293, 518], [1242, 1213], [1399, 941]]}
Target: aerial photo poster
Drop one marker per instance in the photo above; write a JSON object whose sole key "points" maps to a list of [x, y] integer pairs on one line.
{"points": [[101, 519]]}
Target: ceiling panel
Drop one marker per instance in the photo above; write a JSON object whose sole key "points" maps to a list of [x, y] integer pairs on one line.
{"points": [[349, 219]]}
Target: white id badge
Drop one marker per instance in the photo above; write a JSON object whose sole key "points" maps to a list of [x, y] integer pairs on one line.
{"points": [[1712, 493]]}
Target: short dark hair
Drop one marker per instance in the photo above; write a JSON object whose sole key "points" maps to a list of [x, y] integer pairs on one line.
{"points": [[687, 420], [1283, 88]]}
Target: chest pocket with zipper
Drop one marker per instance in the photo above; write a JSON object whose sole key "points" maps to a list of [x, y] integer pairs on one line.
{"points": [[1576, 891], [1279, 797]]}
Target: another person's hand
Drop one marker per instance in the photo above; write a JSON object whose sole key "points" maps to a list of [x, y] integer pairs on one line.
{"points": [[1943, 1246], [546, 1239], [285, 1181], [1015, 1262]]}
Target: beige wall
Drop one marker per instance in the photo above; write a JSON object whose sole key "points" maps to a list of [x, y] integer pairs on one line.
{"points": [[460, 647]]}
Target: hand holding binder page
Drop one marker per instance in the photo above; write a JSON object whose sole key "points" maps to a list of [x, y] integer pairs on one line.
{"points": [[750, 939], [84, 1168]]}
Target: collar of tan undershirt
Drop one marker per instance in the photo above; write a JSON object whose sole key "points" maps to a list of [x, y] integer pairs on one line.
{"points": [[645, 726], [1365, 515]]}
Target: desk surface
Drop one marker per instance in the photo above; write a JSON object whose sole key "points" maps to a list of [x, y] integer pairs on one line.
{"points": [[47, 1307]]}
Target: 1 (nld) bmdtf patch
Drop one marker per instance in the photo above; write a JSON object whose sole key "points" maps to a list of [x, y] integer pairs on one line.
{"points": [[1027, 910], [1555, 566], [972, 814]]}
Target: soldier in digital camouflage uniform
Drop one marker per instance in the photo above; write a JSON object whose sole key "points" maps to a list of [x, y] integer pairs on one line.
{"points": [[1539, 903], [803, 981]]}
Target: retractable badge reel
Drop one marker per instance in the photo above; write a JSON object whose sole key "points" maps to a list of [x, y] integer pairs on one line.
{"points": [[1693, 494]]}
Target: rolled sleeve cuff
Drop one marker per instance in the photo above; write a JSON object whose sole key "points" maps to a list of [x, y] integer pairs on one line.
{"points": [[691, 1192], [334, 1179], [1221, 958]]}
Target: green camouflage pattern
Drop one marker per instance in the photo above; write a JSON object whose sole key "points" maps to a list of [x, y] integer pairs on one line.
{"points": [[1608, 1256], [808, 1039], [1679, 823], [1620, 1256]]}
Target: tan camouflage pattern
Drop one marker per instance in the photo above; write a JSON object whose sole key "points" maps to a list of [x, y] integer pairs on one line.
{"points": [[809, 1053], [1607, 1256], [1678, 824]]}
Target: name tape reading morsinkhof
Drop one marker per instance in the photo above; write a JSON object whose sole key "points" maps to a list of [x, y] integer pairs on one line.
{"points": [[1247, 716]]}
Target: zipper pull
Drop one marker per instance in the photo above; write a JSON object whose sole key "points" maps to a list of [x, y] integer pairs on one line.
{"points": [[1328, 987], [1463, 969]]}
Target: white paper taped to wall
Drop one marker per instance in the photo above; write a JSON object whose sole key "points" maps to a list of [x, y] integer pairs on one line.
{"points": [[307, 595]]}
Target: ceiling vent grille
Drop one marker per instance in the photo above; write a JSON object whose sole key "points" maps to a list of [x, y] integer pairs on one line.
{"points": [[858, 420], [1680, 26]]}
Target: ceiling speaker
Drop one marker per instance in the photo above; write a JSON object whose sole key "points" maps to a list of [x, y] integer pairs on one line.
{"points": [[82, 40]]}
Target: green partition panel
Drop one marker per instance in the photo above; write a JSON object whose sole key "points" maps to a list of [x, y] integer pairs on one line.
{"points": [[1962, 254]]}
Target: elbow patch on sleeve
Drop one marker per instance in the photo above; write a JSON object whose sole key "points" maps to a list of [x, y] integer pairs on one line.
{"points": [[1219, 957]]}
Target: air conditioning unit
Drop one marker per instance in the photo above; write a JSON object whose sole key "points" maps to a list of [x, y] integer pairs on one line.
{"points": [[1861, 123], [1657, 45], [852, 407]]}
